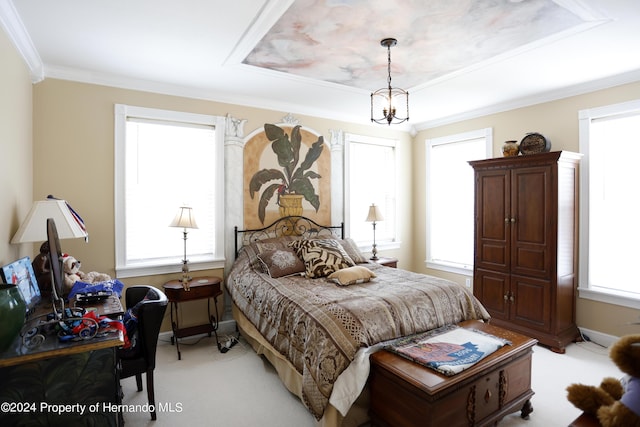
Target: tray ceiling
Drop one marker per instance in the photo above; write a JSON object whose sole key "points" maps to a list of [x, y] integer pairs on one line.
{"points": [[458, 58]]}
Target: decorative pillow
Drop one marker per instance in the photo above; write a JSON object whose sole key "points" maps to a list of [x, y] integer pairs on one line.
{"points": [[272, 244], [281, 262], [351, 248], [352, 275], [321, 256], [260, 246]]}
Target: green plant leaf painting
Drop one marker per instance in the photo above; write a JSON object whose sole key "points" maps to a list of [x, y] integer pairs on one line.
{"points": [[294, 178]]}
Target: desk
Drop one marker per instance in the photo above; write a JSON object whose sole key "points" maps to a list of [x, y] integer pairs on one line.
{"points": [[82, 373], [199, 288]]}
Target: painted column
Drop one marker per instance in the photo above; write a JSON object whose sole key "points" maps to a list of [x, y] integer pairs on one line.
{"points": [[233, 181], [337, 176]]}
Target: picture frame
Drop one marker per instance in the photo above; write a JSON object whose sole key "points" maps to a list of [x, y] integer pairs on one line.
{"points": [[21, 274]]}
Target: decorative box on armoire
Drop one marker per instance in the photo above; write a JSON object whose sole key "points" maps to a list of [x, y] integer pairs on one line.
{"points": [[526, 244]]}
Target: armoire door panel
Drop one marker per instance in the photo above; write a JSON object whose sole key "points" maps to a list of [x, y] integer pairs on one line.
{"points": [[531, 303], [531, 261], [530, 201], [492, 288], [492, 188], [494, 256]]}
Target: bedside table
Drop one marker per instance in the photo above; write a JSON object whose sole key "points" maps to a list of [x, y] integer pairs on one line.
{"points": [[387, 261], [199, 288]]}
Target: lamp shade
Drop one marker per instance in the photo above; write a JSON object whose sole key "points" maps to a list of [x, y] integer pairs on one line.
{"points": [[34, 227], [184, 218], [374, 214]]}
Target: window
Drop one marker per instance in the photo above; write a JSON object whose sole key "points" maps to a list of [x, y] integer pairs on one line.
{"points": [[371, 178], [609, 232], [450, 196], [164, 160]]}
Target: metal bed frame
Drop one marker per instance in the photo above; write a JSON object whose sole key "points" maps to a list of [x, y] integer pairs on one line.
{"points": [[299, 226]]}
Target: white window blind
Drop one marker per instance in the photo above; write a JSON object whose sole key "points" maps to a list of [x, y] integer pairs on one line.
{"points": [[610, 141], [371, 178], [166, 160], [450, 196]]}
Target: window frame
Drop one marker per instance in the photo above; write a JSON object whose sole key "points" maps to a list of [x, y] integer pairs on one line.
{"points": [[365, 245], [487, 134], [217, 260], [584, 287]]}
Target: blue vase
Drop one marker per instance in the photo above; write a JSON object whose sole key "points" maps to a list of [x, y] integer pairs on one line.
{"points": [[12, 314]]}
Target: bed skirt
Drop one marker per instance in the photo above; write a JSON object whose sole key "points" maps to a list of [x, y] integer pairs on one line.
{"points": [[292, 379]]}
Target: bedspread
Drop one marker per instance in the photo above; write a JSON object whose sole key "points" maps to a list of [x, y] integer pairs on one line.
{"points": [[319, 326]]}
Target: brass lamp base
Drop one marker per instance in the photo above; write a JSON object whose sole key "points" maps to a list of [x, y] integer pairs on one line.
{"points": [[185, 276], [374, 253]]}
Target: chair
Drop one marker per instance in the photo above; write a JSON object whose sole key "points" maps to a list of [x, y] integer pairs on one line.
{"points": [[150, 312]]}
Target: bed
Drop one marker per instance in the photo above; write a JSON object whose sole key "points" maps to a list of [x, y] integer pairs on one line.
{"points": [[318, 314]]}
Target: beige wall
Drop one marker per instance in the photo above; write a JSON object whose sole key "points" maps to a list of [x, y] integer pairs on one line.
{"points": [[74, 159], [16, 148], [558, 121]]}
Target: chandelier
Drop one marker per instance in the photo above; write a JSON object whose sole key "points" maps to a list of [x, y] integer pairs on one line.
{"points": [[392, 102]]}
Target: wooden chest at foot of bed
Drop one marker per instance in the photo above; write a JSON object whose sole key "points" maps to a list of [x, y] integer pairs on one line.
{"points": [[404, 393]]}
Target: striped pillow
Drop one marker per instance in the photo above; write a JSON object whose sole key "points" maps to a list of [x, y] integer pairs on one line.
{"points": [[351, 248], [321, 256]]}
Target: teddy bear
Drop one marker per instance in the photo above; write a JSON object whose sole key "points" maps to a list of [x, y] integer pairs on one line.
{"points": [[72, 273], [616, 403], [71, 268]]}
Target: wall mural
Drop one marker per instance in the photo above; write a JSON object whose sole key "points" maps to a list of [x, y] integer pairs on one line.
{"points": [[287, 171]]}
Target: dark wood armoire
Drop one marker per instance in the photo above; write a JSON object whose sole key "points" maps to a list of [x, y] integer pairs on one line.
{"points": [[526, 244]]}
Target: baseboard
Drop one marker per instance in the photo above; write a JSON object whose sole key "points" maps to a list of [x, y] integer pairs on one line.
{"points": [[598, 337]]}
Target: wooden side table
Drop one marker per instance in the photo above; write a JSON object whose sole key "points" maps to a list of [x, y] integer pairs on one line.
{"points": [[387, 261], [199, 288]]}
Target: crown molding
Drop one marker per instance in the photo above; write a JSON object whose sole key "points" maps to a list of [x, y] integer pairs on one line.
{"points": [[554, 95], [123, 82], [13, 26], [270, 104], [271, 11]]}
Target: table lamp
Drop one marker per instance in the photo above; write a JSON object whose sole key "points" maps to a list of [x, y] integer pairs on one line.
{"points": [[184, 219], [373, 216], [34, 227]]}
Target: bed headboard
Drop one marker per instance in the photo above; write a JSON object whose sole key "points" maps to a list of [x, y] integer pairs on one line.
{"points": [[287, 226]]}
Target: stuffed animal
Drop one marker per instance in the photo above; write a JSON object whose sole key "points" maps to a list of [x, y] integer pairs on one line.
{"points": [[616, 403], [94, 277], [71, 267], [72, 273], [42, 270]]}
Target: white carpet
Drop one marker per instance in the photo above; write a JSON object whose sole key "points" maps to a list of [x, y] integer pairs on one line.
{"points": [[586, 363], [240, 389]]}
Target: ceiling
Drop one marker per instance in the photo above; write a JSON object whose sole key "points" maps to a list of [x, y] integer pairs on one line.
{"points": [[457, 58]]}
